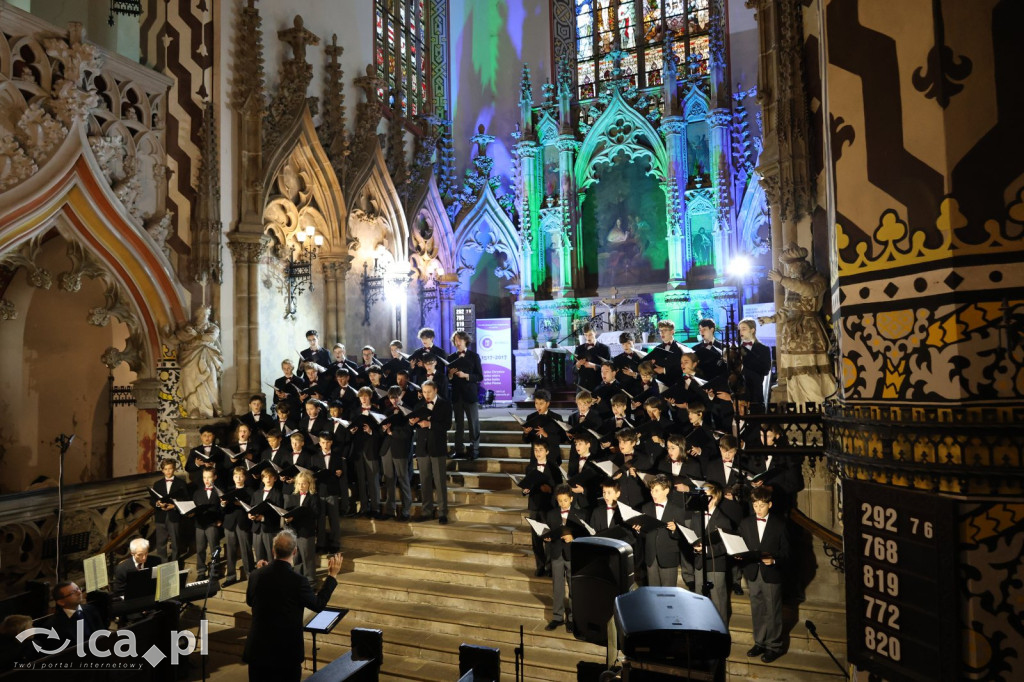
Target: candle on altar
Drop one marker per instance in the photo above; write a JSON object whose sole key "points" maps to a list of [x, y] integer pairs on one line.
{"points": [[636, 308], [593, 310]]}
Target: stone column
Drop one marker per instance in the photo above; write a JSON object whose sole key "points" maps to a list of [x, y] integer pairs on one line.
{"points": [[147, 405], [334, 299], [572, 231], [926, 288], [532, 193], [718, 124], [679, 257], [246, 251], [446, 309]]}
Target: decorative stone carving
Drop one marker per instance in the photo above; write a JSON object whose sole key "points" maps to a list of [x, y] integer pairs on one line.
{"points": [[40, 133], [369, 225], [25, 257], [249, 77], [132, 354], [75, 94], [160, 230], [296, 73], [424, 248], [368, 116], [15, 164], [82, 263], [398, 168], [205, 262], [200, 359], [802, 341], [333, 132], [7, 310]]}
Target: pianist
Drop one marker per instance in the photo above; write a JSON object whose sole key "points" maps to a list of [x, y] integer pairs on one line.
{"points": [[139, 559]]}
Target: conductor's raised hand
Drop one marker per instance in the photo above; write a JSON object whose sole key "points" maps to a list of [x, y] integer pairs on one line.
{"points": [[334, 565]]}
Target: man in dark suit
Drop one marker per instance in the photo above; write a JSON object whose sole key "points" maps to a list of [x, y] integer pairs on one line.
{"points": [[274, 647], [138, 559], [765, 534], [464, 375], [434, 420], [426, 337], [70, 610], [315, 353], [757, 361], [589, 356]]}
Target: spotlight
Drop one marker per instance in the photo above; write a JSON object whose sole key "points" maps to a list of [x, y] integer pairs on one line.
{"points": [[740, 267]]}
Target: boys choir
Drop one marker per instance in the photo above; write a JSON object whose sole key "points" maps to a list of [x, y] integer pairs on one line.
{"points": [[336, 429], [653, 460]]}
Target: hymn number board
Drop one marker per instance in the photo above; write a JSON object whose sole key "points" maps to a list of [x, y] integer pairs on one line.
{"points": [[901, 590]]}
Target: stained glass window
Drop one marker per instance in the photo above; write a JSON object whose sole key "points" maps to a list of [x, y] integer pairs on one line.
{"points": [[402, 53], [638, 29]]}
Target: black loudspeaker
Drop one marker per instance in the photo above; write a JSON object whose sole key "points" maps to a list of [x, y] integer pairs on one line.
{"points": [[484, 662], [602, 569], [368, 645], [671, 625]]}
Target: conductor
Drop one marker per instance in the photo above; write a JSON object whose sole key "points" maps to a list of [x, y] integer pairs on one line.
{"points": [[277, 594]]}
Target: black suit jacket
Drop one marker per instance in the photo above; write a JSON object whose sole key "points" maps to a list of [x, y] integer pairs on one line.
{"points": [[68, 630], [662, 545], [121, 571], [277, 595], [714, 470], [586, 377], [774, 542], [714, 550], [466, 390], [560, 548], [320, 356], [271, 522], [757, 363], [328, 479], [315, 426], [258, 426], [435, 439], [710, 360], [179, 491], [304, 522]]}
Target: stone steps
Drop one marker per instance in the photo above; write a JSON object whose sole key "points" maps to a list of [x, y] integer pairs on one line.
{"points": [[430, 588]]}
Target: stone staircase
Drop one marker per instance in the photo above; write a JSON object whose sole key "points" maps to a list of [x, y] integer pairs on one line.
{"points": [[431, 588]]}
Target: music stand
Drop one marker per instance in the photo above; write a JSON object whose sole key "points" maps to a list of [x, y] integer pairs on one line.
{"points": [[322, 624]]}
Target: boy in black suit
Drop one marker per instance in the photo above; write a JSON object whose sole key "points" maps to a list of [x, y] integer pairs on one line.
{"points": [[315, 353], [167, 517], [710, 353], [305, 507], [757, 362], [332, 482], [661, 545], [765, 533], [589, 356], [465, 374], [266, 526], [539, 504], [558, 551], [208, 521], [206, 455], [427, 348], [432, 452], [237, 528], [395, 456], [366, 438], [257, 418]]}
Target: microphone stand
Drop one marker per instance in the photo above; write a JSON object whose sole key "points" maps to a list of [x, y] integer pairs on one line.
{"points": [[214, 555], [814, 633], [698, 502], [520, 658], [63, 441]]}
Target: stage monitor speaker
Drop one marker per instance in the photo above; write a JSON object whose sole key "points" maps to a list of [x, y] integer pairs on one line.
{"points": [[671, 625], [484, 662], [602, 569], [368, 645]]}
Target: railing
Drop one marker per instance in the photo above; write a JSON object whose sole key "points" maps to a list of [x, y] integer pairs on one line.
{"points": [[956, 449], [93, 513], [832, 541]]}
